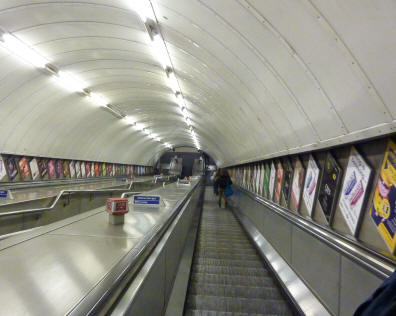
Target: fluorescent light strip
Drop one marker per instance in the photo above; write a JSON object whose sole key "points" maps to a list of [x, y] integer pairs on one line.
{"points": [[23, 51], [66, 80]]}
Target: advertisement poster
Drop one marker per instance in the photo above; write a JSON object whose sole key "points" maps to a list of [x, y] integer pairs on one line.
{"points": [[311, 184], [51, 169], [77, 166], [266, 180], [59, 168], [43, 167], [109, 169], [66, 169], [104, 169], [287, 176], [297, 185], [353, 192], [72, 166], [329, 186], [92, 169], [262, 180], [272, 181], [83, 174], [34, 169], [278, 181], [24, 170], [383, 210], [3, 171], [11, 168], [96, 169], [88, 169]]}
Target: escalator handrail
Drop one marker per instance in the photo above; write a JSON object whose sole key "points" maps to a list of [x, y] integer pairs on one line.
{"points": [[373, 261], [65, 192]]}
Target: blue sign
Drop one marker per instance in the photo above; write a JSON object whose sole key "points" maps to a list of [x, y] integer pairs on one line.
{"points": [[187, 182], [3, 194], [146, 200]]}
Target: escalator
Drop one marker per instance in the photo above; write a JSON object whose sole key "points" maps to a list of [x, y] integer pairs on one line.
{"points": [[228, 277]]}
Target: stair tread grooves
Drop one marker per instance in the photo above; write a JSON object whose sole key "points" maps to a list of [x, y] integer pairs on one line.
{"points": [[228, 277]]}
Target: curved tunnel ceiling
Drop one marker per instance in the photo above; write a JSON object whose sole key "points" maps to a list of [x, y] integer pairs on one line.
{"points": [[259, 78]]}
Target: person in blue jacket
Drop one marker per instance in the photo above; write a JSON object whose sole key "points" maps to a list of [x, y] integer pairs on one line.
{"points": [[382, 302]]}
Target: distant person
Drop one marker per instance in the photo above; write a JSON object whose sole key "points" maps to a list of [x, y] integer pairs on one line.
{"points": [[223, 181], [383, 300], [214, 178]]}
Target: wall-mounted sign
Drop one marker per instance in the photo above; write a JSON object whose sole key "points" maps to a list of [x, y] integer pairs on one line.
{"points": [[287, 180], [51, 169], [72, 169], [23, 165], [272, 181], [77, 166], [59, 168], [3, 171], [297, 185], [383, 210], [311, 184], [329, 186], [34, 169], [83, 170], [266, 180], [148, 200], [278, 182], [66, 169], [353, 192], [88, 169], [43, 167], [3, 194]]}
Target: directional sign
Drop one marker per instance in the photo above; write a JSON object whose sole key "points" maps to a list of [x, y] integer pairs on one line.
{"points": [[152, 200]]}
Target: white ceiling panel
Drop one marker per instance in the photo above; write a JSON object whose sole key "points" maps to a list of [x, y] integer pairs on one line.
{"points": [[259, 78]]}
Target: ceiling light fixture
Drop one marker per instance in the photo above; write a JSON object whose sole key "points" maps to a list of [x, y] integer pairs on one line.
{"points": [[97, 99], [161, 52], [23, 51], [70, 82]]}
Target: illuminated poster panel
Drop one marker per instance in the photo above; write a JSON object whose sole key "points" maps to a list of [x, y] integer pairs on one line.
{"points": [[297, 185], [66, 169], [329, 186], [311, 184], [109, 167], [88, 169], [272, 181], [287, 182], [83, 174], [24, 170], [11, 168], [266, 180], [104, 169], [383, 210], [354, 189], [34, 169], [92, 169], [96, 169], [77, 166], [43, 167], [114, 170], [59, 168], [262, 180], [278, 181], [51, 169], [3, 171], [72, 169]]}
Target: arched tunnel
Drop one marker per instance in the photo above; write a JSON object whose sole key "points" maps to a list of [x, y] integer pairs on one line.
{"points": [[197, 157]]}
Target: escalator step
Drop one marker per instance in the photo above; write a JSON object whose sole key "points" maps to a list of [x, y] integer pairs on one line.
{"points": [[245, 271], [193, 312], [238, 305], [227, 279], [236, 291], [229, 262], [214, 254]]}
